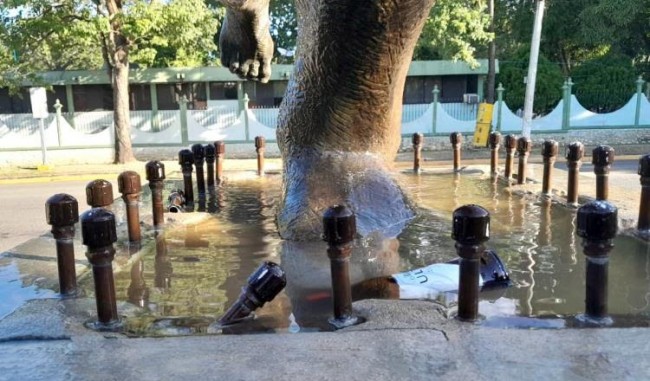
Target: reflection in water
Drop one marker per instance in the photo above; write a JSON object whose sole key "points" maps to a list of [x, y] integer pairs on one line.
{"points": [[138, 293]]}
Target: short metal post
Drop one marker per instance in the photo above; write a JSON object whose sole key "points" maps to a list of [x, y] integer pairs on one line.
{"points": [[99, 194], [510, 142], [129, 185], [62, 212], [643, 224], [260, 145], [155, 175], [524, 146], [574, 153], [186, 160], [597, 225], [471, 228], [98, 234], [220, 148], [549, 153], [602, 158], [417, 151], [456, 140], [340, 228], [494, 141], [210, 158], [199, 157]]}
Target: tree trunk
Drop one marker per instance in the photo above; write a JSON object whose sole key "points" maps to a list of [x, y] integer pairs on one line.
{"points": [[492, 52]]}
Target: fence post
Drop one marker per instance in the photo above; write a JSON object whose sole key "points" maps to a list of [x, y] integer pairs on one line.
{"points": [[436, 94], [500, 91], [183, 109], [566, 104], [155, 121], [639, 94], [57, 118], [246, 122]]}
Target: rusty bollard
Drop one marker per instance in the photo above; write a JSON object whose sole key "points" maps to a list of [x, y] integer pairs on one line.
{"points": [[602, 157], [186, 160], [510, 142], [471, 228], [456, 140], [62, 212], [155, 175], [494, 140], [417, 151], [574, 154], [99, 194], [210, 158], [643, 224], [340, 228], [524, 146], [98, 234], [199, 158], [549, 153], [597, 225], [260, 145], [129, 185], [220, 148]]}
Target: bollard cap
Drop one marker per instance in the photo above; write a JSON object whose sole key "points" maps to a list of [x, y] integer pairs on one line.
{"points": [[339, 225], [417, 138], [62, 210], [267, 281], [524, 145], [471, 225], [644, 166], [155, 171], [128, 182], [550, 148], [220, 147], [455, 138], [494, 140], [210, 152], [185, 158], [98, 228], [510, 141], [597, 221], [260, 142], [99, 193], [198, 152], [575, 151], [602, 156]]}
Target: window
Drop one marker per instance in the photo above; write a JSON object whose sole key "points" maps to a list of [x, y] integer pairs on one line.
{"points": [[92, 97]]}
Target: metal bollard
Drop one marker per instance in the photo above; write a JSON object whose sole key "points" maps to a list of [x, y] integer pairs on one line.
{"points": [[643, 224], [155, 175], [597, 225], [340, 228], [199, 158], [549, 153], [510, 142], [494, 141], [62, 212], [456, 140], [129, 185], [524, 146], [602, 157], [417, 151], [210, 158], [471, 228], [574, 154], [99, 194], [220, 148], [260, 145], [186, 160], [98, 234]]}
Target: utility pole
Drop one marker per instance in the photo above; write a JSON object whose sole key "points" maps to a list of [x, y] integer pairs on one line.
{"points": [[532, 70], [492, 52]]}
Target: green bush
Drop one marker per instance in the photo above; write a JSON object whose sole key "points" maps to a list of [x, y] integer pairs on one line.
{"points": [[606, 83]]}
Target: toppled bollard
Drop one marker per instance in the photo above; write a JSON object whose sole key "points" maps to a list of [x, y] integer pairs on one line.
{"points": [[549, 153], [155, 175], [524, 146], [129, 185], [471, 228], [62, 212], [417, 151], [602, 158], [176, 201], [260, 146], [456, 140], [574, 154], [597, 225], [98, 234], [210, 158], [643, 223], [99, 194], [220, 148], [263, 285], [510, 142], [186, 160], [199, 158], [340, 228], [494, 141]]}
